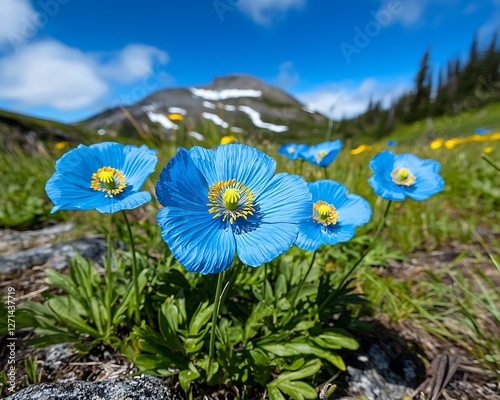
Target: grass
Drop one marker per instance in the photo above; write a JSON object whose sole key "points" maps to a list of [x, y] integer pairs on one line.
{"points": [[459, 125], [439, 300]]}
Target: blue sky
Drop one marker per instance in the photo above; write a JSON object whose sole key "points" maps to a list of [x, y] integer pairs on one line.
{"points": [[69, 59]]}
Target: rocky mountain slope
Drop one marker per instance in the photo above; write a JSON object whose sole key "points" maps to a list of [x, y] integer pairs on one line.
{"points": [[239, 104]]}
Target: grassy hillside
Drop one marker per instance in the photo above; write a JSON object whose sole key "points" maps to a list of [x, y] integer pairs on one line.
{"points": [[23, 130], [460, 125]]}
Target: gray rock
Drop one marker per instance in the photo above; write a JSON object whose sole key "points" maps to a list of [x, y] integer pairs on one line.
{"points": [[56, 256], [58, 354], [143, 387], [377, 378], [11, 240]]}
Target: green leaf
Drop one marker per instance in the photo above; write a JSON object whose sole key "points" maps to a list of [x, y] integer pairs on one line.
{"points": [[201, 317], [255, 321], [335, 338], [280, 287], [274, 393], [309, 369], [62, 308], [167, 330], [298, 390]]}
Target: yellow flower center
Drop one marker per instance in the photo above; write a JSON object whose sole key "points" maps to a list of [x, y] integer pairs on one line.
{"points": [[291, 150], [321, 155], [108, 180], [325, 213], [403, 176], [230, 200]]}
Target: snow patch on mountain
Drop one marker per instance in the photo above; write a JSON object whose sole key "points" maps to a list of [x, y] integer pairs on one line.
{"points": [[208, 94], [196, 135], [215, 119], [177, 110], [162, 120], [257, 121]]}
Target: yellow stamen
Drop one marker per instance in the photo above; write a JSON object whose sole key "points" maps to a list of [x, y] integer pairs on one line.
{"points": [[325, 213], [230, 200], [319, 156], [403, 176], [108, 180]]}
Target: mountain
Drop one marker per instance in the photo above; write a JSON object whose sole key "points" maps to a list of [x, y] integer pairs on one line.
{"points": [[240, 104], [27, 132]]}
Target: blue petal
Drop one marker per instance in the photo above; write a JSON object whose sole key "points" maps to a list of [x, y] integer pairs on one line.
{"points": [[331, 149], [326, 190], [339, 233], [200, 243], [355, 211], [138, 164], [245, 164], [78, 165], [386, 188], [383, 162], [109, 154], [310, 236], [298, 150], [181, 184], [71, 195], [426, 172], [124, 202], [204, 159], [286, 199], [272, 230]]}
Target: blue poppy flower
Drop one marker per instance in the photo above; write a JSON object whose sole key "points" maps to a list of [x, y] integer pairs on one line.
{"points": [[392, 143], [322, 154], [292, 150], [218, 203], [401, 175], [334, 215], [106, 176]]}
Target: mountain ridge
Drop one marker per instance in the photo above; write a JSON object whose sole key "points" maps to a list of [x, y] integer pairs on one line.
{"points": [[235, 103]]}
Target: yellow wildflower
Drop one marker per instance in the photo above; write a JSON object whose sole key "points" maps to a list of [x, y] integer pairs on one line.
{"points": [[175, 117], [227, 139]]}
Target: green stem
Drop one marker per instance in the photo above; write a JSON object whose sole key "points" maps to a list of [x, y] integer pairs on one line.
{"points": [[326, 173], [215, 314], [292, 305], [329, 130], [301, 165], [135, 273], [490, 161], [264, 282], [109, 289], [365, 253]]}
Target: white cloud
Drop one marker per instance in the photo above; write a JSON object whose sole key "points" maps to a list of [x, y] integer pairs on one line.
{"points": [[52, 74], [343, 99], [13, 15], [133, 62], [288, 76], [410, 12], [264, 12]]}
